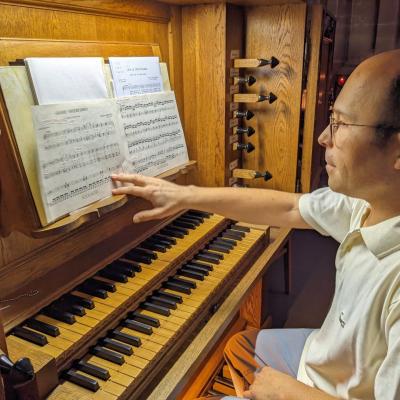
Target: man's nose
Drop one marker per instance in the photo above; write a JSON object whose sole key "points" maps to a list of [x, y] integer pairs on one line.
{"points": [[324, 138]]}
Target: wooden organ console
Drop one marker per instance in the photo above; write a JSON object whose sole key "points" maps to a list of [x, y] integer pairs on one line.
{"points": [[102, 308]]}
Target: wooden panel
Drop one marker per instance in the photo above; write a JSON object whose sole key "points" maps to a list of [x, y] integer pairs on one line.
{"points": [[251, 310], [26, 22], [209, 369], [309, 134], [276, 31], [137, 9], [203, 41], [238, 2]]}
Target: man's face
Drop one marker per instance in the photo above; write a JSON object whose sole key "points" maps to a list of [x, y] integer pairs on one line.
{"points": [[356, 165]]}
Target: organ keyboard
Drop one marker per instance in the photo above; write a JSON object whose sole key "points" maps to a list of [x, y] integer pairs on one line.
{"points": [[107, 334]]}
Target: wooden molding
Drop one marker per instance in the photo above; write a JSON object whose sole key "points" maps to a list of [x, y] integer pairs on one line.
{"points": [[135, 9]]}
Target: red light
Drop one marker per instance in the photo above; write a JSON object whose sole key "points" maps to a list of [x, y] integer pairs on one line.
{"points": [[341, 80]]}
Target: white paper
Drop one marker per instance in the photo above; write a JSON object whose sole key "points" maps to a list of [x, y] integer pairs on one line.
{"points": [[165, 77], [135, 75], [58, 80], [79, 147], [153, 132]]}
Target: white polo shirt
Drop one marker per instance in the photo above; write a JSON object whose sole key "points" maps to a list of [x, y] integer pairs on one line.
{"points": [[356, 353]]}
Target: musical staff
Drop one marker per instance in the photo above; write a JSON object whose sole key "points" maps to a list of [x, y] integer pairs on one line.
{"points": [[153, 132], [79, 147]]}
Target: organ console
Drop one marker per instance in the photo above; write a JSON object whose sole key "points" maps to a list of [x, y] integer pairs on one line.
{"points": [[95, 307]]}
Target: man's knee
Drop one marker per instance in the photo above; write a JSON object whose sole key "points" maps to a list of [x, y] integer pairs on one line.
{"points": [[241, 345]]}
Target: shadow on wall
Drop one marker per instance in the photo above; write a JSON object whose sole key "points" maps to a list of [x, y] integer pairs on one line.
{"points": [[313, 282]]}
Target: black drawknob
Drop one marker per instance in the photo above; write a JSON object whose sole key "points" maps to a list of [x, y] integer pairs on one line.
{"points": [[248, 147], [248, 131], [250, 80], [270, 97], [273, 62], [244, 114], [266, 175]]}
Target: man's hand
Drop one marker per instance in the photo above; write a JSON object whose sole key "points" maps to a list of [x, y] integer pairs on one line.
{"points": [[270, 384], [167, 198]]}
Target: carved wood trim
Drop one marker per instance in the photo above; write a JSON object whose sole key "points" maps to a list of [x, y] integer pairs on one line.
{"points": [[136, 9]]}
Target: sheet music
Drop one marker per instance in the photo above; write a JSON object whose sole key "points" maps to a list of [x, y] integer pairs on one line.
{"points": [[79, 147], [135, 75], [64, 79], [153, 133]]}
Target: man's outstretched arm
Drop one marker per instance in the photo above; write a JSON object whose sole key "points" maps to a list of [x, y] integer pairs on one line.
{"points": [[257, 206]]}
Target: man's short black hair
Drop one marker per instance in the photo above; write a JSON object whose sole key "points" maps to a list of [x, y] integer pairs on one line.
{"points": [[392, 114]]}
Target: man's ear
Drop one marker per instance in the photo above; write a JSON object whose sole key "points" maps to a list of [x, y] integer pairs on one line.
{"points": [[397, 161]]}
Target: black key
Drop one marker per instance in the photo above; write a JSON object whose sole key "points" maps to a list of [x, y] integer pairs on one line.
{"points": [[193, 217], [203, 271], [145, 319], [184, 282], [200, 264], [164, 238], [112, 344], [81, 380], [184, 224], [59, 314], [154, 246], [173, 233], [163, 302], [29, 335], [99, 284], [173, 297], [178, 228], [220, 243], [203, 214], [213, 254], [155, 308], [177, 287], [126, 338], [113, 275], [100, 293], [150, 253], [191, 274], [226, 241], [236, 232], [123, 268], [207, 258], [70, 306], [191, 220], [138, 326], [42, 327], [231, 235], [240, 228], [140, 258], [220, 248], [82, 301], [93, 370], [143, 252], [107, 354]]}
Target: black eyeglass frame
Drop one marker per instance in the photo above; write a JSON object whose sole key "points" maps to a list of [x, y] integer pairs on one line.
{"points": [[334, 126]]}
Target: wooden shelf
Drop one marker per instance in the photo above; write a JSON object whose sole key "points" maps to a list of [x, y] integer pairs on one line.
{"points": [[102, 207]]}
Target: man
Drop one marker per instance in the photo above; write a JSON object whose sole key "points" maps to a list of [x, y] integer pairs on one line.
{"points": [[356, 353]]}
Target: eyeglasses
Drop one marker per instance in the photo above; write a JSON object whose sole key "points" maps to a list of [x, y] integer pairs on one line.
{"points": [[334, 125]]}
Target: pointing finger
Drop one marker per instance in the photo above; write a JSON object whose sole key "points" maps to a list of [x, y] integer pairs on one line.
{"points": [[132, 190], [136, 179]]}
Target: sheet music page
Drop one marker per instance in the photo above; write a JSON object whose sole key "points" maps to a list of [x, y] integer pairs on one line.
{"points": [[135, 75], [153, 132], [79, 147], [58, 80]]}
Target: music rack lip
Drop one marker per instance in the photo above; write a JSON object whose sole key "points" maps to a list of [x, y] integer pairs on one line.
{"points": [[99, 208]]}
